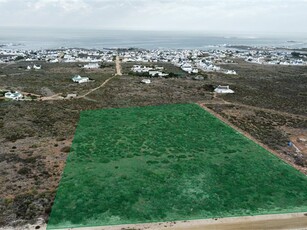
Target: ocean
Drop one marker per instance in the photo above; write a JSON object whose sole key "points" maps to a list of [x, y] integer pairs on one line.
{"points": [[38, 38]]}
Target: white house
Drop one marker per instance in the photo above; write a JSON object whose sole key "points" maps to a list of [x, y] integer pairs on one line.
{"points": [[71, 95], [195, 70], [159, 68], [198, 77], [37, 67], [187, 68], [79, 79], [54, 60], [159, 73], [13, 95], [223, 89], [140, 69], [128, 60], [91, 66], [230, 72], [146, 81]]}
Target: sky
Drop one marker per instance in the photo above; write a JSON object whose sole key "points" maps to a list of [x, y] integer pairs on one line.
{"points": [[220, 16]]}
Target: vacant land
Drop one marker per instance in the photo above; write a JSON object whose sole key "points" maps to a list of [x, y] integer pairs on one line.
{"points": [[52, 78], [35, 137], [269, 103], [281, 88], [167, 163]]}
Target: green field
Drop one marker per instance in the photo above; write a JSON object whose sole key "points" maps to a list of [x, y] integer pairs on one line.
{"points": [[170, 162]]}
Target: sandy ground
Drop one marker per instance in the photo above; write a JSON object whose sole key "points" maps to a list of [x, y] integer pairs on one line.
{"points": [[300, 141], [270, 222], [92, 90], [118, 66]]}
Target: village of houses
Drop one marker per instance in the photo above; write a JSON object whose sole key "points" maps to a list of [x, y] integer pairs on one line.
{"points": [[192, 62]]}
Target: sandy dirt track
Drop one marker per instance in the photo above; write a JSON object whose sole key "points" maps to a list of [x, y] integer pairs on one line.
{"points": [[266, 222], [118, 73], [118, 66]]}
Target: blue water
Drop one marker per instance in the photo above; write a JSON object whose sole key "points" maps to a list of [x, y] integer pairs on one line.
{"points": [[22, 38]]}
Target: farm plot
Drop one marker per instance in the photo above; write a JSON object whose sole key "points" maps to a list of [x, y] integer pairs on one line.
{"points": [[166, 163]]}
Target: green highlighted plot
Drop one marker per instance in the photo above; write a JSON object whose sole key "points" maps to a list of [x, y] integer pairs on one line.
{"points": [[171, 162]]}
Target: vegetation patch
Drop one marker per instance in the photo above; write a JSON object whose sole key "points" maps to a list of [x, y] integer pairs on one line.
{"points": [[65, 149], [166, 163]]}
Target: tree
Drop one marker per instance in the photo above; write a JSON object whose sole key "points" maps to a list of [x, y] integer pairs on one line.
{"points": [[295, 54], [19, 58]]}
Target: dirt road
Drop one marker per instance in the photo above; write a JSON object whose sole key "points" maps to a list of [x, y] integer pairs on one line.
{"points": [[6, 65], [267, 222], [118, 73], [102, 85], [58, 96], [118, 66], [10, 63]]}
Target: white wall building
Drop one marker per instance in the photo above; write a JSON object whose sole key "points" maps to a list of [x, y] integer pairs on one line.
{"points": [[13, 95], [37, 67], [230, 72], [187, 68], [146, 81], [223, 89], [79, 79], [140, 69], [91, 66]]}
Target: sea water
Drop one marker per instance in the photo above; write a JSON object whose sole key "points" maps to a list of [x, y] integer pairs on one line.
{"points": [[40, 38]]}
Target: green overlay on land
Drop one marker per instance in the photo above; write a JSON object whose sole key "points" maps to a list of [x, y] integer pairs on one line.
{"points": [[170, 162]]}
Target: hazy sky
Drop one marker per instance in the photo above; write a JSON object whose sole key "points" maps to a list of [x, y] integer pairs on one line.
{"points": [[264, 16]]}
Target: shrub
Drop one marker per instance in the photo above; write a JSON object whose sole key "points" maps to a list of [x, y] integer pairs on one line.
{"points": [[24, 171], [19, 58], [14, 137], [60, 139], [65, 149]]}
